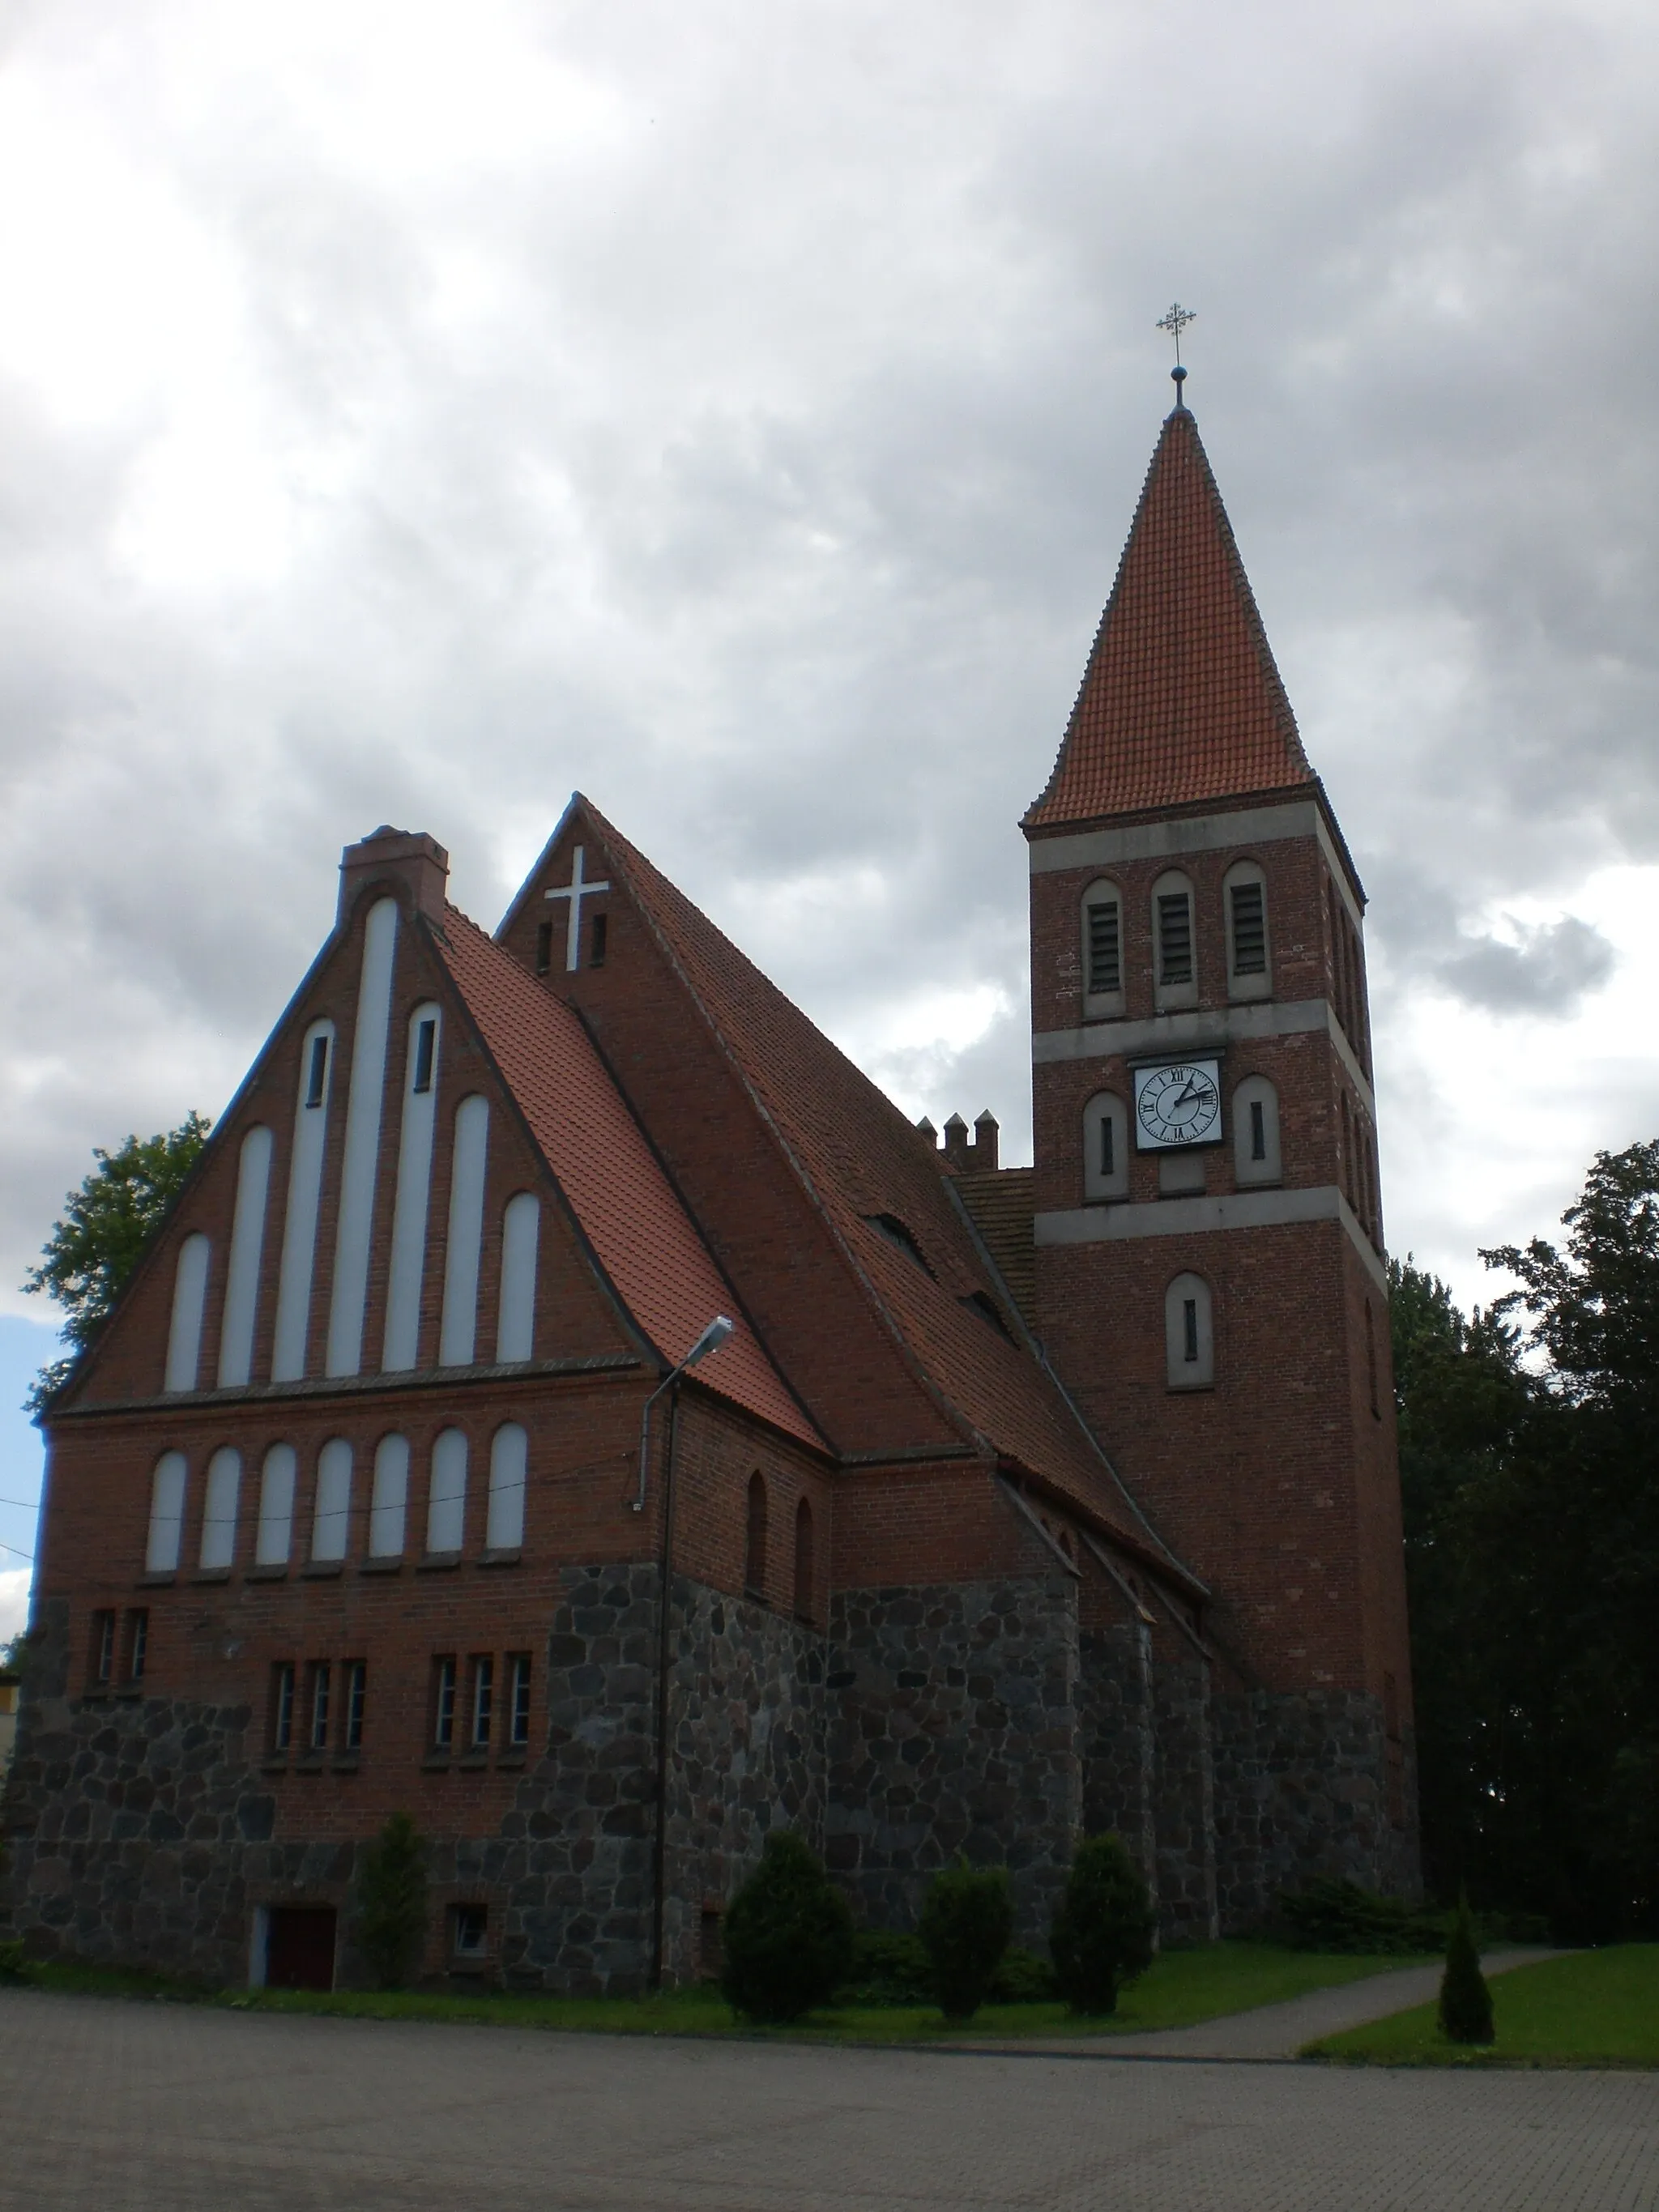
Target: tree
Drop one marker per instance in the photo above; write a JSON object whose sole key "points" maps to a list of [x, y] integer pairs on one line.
{"points": [[1465, 1999], [1103, 1932], [392, 1901], [967, 1920], [788, 1934], [108, 1222]]}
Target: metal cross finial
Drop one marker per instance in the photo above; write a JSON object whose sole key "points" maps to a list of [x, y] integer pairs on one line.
{"points": [[1175, 322]]}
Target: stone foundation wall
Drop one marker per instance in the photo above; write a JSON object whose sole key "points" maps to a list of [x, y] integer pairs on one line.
{"points": [[1183, 1813], [954, 1726], [1119, 1741]]}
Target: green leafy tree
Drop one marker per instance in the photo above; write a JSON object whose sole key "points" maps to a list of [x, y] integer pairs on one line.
{"points": [[391, 1902], [1465, 1999], [1102, 1935], [107, 1224], [788, 1934], [967, 1920]]}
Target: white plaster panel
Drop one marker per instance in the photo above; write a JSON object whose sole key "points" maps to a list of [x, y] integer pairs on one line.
{"points": [[248, 1244], [330, 1521], [166, 1513], [304, 1184], [360, 1167], [515, 1326], [509, 1460], [388, 1502], [400, 1346], [446, 1512], [224, 1482], [458, 1337], [190, 1282], [276, 1483]]}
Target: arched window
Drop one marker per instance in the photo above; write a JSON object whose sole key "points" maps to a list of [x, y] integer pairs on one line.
{"points": [[509, 1471], [1102, 921], [275, 1535], [754, 1553], [445, 1511], [1105, 1148], [1189, 1334], [515, 1322], [330, 1519], [167, 1514], [1255, 1132], [224, 1481], [1245, 899], [389, 1499], [1174, 944], [803, 1561], [190, 1283]]}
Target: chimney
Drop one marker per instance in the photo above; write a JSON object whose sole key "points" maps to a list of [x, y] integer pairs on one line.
{"points": [[405, 858], [986, 1127], [956, 1141]]}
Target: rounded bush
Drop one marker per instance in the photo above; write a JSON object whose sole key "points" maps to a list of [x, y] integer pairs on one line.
{"points": [[1102, 1935], [966, 1923], [788, 1934]]}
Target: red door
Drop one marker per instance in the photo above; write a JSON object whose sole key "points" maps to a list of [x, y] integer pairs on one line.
{"points": [[299, 1947]]}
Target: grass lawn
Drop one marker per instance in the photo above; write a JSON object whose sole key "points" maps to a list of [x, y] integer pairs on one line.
{"points": [[1181, 1988], [1593, 2008]]}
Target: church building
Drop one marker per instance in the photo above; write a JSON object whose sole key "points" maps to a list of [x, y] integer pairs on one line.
{"points": [[570, 1403]]}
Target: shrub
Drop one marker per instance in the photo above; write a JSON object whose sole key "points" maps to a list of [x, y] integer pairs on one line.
{"points": [[887, 1970], [1464, 2000], [788, 1934], [1022, 1977], [1103, 1933], [14, 1966], [391, 1902], [1333, 1915], [966, 1923]]}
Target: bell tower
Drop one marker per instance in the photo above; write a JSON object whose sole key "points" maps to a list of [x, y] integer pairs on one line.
{"points": [[1210, 1277]]}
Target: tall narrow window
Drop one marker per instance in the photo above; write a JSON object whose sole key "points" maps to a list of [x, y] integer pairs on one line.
{"points": [[483, 1701], [443, 1701], [1255, 1132], [598, 931], [102, 1668], [1108, 1147], [543, 947], [330, 1524], [356, 1696], [138, 1643], [754, 1557], [321, 1686], [445, 1511], [426, 1048], [1188, 1334], [519, 1683], [317, 1070], [1105, 959], [389, 1500], [1175, 938], [803, 1561], [277, 1480], [1105, 1148], [167, 1514], [509, 1468], [1258, 1130], [224, 1479], [1244, 889], [282, 1705]]}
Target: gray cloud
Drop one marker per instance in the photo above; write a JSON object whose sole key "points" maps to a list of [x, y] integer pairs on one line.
{"points": [[738, 416], [1548, 971]]}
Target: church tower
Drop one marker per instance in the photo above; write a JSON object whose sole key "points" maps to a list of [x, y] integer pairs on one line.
{"points": [[1210, 1277]]}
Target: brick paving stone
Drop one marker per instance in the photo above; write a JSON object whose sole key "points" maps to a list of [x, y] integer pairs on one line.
{"points": [[146, 2107]]}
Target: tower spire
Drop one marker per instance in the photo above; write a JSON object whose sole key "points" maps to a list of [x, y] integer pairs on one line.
{"points": [[1175, 321]]}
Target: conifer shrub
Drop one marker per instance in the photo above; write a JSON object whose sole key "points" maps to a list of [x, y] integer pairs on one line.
{"points": [[966, 1922], [1102, 1935], [391, 1902], [1331, 1914], [788, 1934], [1465, 1999], [887, 1969], [1022, 1977]]}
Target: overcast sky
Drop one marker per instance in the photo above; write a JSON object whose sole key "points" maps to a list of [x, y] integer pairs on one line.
{"points": [[413, 413]]}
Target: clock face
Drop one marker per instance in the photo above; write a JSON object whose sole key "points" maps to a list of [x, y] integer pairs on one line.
{"points": [[1177, 1105]]}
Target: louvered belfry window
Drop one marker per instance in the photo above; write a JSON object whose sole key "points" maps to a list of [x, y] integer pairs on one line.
{"points": [[1250, 930], [1175, 937], [1105, 961]]}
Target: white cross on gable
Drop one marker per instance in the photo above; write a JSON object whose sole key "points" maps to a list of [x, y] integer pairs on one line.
{"points": [[576, 891]]}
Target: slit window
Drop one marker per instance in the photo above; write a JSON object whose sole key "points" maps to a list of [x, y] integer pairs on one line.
{"points": [[1108, 1146], [519, 1724], [1105, 955], [1258, 1129], [321, 1687], [317, 1074], [137, 1644], [1175, 937], [1189, 1330], [483, 1701], [357, 1695], [443, 1702], [598, 930], [543, 947], [426, 1051], [1250, 930], [282, 1705]]}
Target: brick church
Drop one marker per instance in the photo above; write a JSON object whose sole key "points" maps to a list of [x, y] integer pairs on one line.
{"points": [[571, 1403]]}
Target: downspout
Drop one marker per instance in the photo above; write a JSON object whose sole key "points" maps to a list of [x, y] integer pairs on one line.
{"points": [[664, 1665]]}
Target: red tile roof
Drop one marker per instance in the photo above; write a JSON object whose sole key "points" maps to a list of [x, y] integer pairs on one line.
{"points": [[627, 1209], [859, 1158], [1181, 701]]}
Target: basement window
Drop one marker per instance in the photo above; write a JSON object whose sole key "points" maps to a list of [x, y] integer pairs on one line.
{"points": [[472, 1931], [898, 1232]]}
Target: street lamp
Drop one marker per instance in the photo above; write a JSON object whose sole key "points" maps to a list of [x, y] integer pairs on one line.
{"points": [[711, 1339]]}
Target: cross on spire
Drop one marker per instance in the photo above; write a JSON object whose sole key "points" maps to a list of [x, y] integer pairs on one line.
{"points": [[576, 891], [1175, 322]]}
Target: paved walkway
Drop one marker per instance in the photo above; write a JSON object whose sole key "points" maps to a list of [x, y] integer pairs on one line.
{"points": [[142, 2108], [1280, 2030]]}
